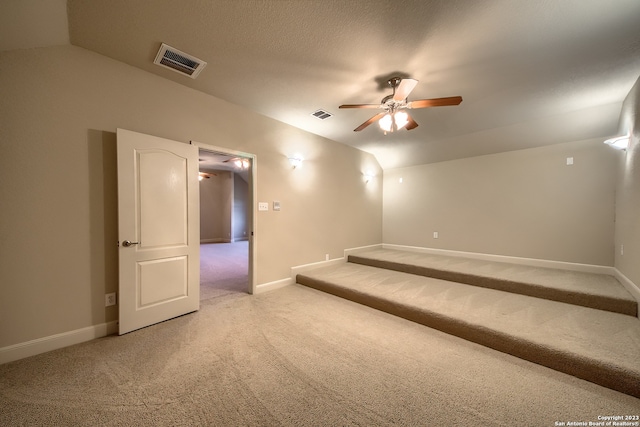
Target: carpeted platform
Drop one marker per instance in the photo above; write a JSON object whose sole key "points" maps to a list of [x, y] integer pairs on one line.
{"points": [[587, 289], [593, 344]]}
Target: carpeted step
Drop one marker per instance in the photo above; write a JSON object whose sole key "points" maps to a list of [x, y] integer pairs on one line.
{"points": [[599, 291], [599, 346]]}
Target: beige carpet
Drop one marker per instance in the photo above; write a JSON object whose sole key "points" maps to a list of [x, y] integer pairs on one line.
{"points": [[596, 345], [293, 357], [224, 269], [599, 291]]}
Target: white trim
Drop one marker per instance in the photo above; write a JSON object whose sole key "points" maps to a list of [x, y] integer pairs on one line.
{"points": [[54, 342], [352, 251], [215, 240], [277, 284], [533, 262], [312, 266], [631, 287], [272, 286]]}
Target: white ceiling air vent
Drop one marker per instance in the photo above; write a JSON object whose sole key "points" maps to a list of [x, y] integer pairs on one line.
{"points": [[179, 62]]}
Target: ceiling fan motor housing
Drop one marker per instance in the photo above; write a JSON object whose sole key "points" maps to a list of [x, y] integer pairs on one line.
{"points": [[394, 82]]}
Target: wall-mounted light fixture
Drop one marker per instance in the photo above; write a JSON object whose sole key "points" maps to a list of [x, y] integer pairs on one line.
{"points": [[618, 142], [295, 161], [368, 176]]}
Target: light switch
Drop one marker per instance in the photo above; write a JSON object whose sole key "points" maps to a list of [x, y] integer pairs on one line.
{"points": [[276, 206], [263, 206], [569, 161]]}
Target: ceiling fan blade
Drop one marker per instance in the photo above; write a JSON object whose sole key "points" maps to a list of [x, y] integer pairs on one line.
{"points": [[411, 124], [404, 89], [360, 106], [435, 102], [371, 120]]}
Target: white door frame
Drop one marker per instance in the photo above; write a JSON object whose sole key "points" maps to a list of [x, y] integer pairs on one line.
{"points": [[253, 177]]}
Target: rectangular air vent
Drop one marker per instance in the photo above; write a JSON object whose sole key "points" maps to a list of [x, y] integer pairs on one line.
{"points": [[321, 114], [179, 61]]}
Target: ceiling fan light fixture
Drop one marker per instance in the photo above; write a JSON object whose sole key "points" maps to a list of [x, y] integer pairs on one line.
{"points": [[401, 119], [393, 121], [386, 123], [295, 161], [241, 163]]}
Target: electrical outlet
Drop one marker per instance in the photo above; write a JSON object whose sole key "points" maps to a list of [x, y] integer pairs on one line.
{"points": [[622, 250], [110, 299], [435, 235], [326, 257]]}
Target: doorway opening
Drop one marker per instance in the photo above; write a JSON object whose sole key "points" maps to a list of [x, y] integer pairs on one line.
{"points": [[226, 221]]}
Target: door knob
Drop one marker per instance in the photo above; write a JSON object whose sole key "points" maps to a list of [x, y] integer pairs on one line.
{"points": [[128, 243]]}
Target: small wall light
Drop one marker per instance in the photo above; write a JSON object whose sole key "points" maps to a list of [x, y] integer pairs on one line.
{"points": [[368, 176], [295, 161], [618, 142]]}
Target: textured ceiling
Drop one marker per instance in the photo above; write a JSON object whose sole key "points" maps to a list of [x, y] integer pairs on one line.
{"points": [[531, 73]]}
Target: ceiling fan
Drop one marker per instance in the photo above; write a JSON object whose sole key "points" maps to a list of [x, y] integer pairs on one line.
{"points": [[393, 117], [207, 175]]}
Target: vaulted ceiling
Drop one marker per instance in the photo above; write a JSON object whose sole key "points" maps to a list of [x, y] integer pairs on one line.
{"points": [[530, 73]]}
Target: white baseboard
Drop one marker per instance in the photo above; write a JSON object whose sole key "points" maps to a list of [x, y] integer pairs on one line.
{"points": [[272, 286], [216, 240], [312, 266], [54, 342], [533, 262], [277, 284], [631, 287], [265, 287], [352, 251]]}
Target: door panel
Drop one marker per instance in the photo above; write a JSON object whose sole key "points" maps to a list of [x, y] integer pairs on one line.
{"points": [[158, 212], [163, 199], [162, 280]]}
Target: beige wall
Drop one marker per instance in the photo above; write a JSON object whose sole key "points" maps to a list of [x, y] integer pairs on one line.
{"points": [[59, 110], [216, 196], [241, 209], [525, 203], [627, 230]]}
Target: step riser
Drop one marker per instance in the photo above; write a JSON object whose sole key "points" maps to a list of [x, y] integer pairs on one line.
{"points": [[587, 369], [598, 302]]}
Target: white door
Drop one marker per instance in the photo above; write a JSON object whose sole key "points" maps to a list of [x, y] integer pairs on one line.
{"points": [[158, 229]]}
